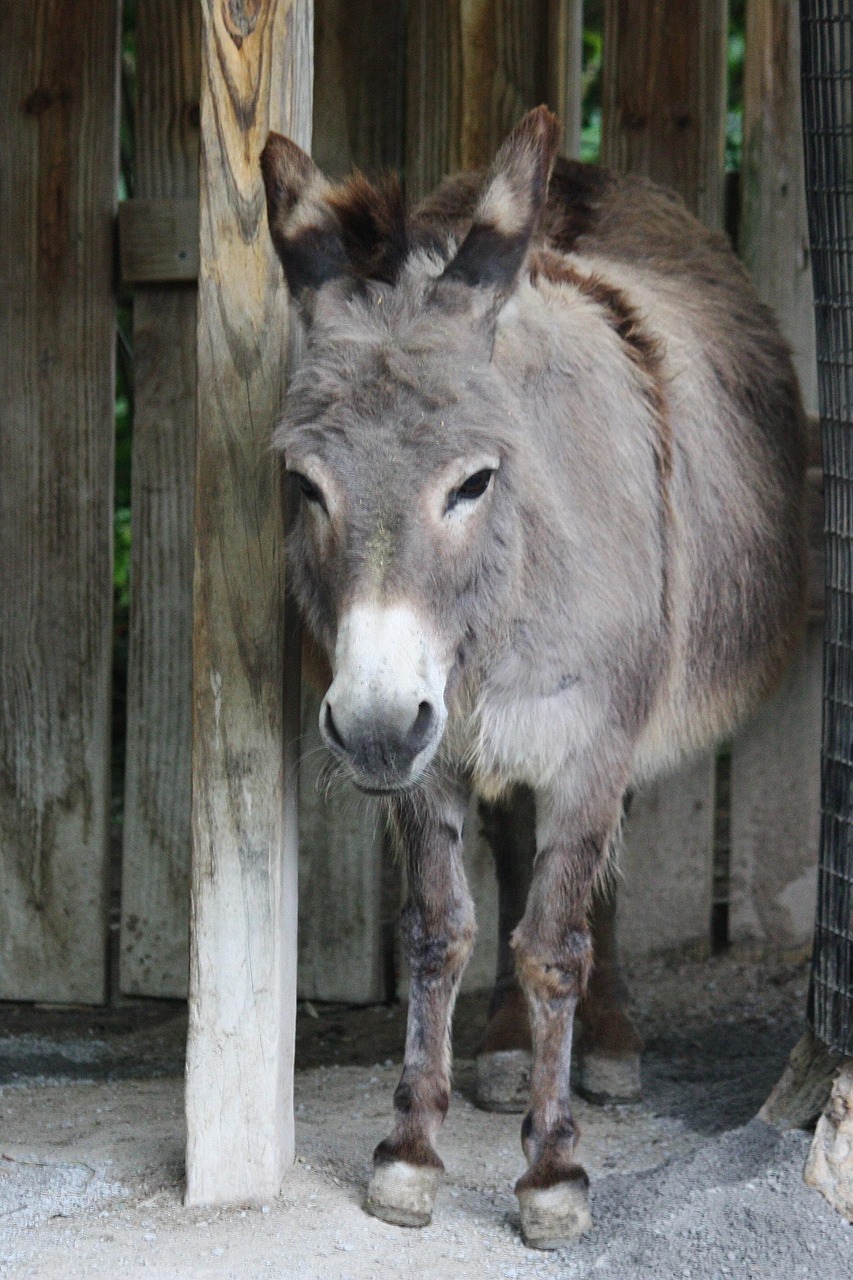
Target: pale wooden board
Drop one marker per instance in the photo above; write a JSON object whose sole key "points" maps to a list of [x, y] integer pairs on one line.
{"points": [[154, 955], [256, 75], [341, 838], [776, 758], [774, 232], [776, 811], [58, 141], [664, 870]]}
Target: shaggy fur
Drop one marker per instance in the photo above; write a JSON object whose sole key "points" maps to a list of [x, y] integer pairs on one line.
{"points": [[619, 582]]}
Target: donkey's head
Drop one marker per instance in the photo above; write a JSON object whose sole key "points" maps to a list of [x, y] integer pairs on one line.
{"points": [[400, 430]]}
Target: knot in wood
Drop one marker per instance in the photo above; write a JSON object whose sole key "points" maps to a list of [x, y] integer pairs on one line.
{"points": [[241, 18]]}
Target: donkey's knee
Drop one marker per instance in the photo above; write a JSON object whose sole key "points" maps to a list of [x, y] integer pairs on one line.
{"points": [[556, 970], [438, 950]]}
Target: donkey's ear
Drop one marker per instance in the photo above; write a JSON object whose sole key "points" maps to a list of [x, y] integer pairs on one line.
{"points": [[304, 229], [510, 207]]}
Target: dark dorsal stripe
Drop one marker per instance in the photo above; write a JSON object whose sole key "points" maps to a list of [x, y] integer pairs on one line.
{"points": [[644, 353]]}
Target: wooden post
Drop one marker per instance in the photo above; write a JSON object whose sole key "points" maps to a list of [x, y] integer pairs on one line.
{"points": [[775, 811], [663, 96], [59, 147], [156, 859], [663, 109], [256, 75]]}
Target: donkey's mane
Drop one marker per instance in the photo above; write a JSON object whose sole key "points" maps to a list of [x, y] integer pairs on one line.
{"points": [[380, 231]]}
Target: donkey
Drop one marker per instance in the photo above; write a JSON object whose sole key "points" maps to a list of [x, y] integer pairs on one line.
{"points": [[551, 456]]}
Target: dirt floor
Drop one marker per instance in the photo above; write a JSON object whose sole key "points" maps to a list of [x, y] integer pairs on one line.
{"points": [[685, 1184]]}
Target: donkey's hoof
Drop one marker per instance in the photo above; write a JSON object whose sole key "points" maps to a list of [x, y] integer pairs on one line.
{"points": [[402, 1193], [502, 1080], [556, 1215], [603, 1077]]}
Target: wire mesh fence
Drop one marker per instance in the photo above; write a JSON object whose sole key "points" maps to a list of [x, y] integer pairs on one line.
{"points": [[827, 79]]}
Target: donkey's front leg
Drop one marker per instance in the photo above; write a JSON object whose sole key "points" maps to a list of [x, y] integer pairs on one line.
{"points": [[554, 956], [438, 934]]}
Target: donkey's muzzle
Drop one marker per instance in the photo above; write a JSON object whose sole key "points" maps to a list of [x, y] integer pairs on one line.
{"points": [[382, 752]]}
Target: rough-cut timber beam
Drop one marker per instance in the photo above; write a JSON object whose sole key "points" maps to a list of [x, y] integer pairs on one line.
{"points": [[256, 76]]}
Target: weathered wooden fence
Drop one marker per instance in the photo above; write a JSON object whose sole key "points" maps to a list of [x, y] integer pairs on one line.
{"points": [[426, 87]]}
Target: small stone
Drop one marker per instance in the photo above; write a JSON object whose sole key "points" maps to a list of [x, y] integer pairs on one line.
{"points": [[829, 1167]]}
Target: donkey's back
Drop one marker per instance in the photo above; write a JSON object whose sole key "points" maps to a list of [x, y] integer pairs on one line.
{"points": [[551, 453], [731, 433]]}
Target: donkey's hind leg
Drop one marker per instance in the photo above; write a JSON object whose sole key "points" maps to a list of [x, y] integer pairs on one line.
{"points": [[438, 934], [504, 1061], [609, 1046]]}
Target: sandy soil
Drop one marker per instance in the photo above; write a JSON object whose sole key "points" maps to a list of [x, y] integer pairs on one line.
{"points": [[684, 1184]]}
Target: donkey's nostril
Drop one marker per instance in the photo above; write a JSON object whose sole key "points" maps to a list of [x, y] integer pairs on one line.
{"points": [[332, 729], [421, 730]]}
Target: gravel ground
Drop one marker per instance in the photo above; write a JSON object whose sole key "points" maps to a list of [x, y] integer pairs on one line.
{"points": [[684, 1184]]}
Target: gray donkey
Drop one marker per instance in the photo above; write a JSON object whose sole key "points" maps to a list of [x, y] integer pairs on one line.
{"points": [[551, 454]]}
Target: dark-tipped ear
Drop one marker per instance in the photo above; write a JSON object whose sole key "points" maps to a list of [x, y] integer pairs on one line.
{"points": [[304, 229], [510, 207]]}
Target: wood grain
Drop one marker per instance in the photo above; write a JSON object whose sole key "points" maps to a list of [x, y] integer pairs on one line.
{"points": [[256, 75], [58, 141], [156, 856], [565, 70], [474, 67], [775, 811], [774, 233], [359, 85], [158, 240], [663, 96]]}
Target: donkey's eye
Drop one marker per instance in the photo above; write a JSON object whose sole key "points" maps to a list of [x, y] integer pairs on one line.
{"points": [[472, 488], [310, 489]]}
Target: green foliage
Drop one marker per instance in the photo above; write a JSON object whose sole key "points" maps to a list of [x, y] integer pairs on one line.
{"points": [[593, 45], [734, 96]]}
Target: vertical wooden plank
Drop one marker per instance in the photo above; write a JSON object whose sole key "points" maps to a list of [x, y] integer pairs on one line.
{"points": [[663, 96], [663, 115], [59, 147], [775, 814], [565, 70], [358, 122], [156, 857], [256, 75], [359, 85], [774, 232], [473, 68]]}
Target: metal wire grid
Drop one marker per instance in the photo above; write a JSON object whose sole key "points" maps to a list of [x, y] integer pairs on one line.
{"points": [[827, 80]]}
